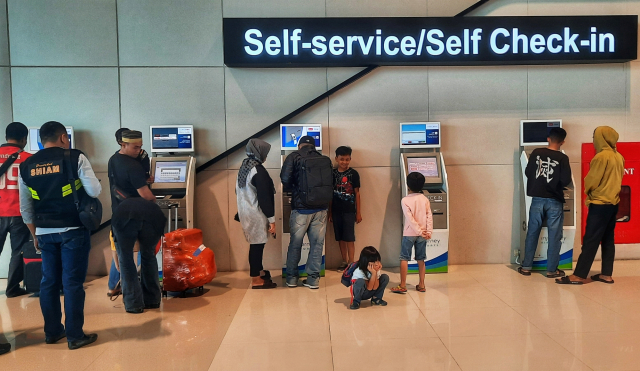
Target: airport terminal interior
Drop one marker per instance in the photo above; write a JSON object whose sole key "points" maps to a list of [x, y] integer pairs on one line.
{"points": [[460, 97]]}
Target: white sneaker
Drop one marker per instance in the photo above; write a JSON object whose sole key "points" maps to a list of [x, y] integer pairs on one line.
{"points": [[311, 285]]}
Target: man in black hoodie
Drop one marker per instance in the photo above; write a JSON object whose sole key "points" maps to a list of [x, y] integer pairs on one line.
{"points": [[548, 172]]}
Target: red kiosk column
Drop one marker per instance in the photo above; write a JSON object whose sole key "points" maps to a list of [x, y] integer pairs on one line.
{"points": [[628, 225]]}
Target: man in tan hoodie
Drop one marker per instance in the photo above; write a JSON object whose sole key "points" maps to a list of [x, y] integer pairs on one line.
{"points": [[602, 187]]}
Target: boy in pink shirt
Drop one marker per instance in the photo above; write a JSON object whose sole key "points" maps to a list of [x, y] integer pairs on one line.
{"points": [[418, 226]]}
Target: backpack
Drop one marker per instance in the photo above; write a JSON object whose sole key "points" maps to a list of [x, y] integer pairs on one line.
{"points": [[315, 180], [348, 274]]}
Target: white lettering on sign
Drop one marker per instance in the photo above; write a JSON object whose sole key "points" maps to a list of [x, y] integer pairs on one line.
{"points": [[629, 171], [433, 42]]}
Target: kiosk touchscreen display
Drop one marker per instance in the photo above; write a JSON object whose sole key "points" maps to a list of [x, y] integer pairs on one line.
{"points": [[291, 134], [35, 144], [427, 166], [172, 138], [420, 135], [537, 132], [170, 172]]}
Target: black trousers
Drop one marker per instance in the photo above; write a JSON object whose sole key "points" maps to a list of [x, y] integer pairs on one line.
{"points": [[19, 235], [255, 259], [601, 224]]}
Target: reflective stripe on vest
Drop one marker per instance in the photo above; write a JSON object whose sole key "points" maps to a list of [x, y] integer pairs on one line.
{"points": [[66, 190], [34, 194]]}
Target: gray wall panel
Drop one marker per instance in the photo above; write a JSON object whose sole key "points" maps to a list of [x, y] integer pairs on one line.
{"points": [[4, 36], [85, 98], [273, 8], [170, 96], [170, 33], [6, 114], [376, 8], [63, 32]]}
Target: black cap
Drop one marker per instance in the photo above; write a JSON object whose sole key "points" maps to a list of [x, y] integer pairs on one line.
{"points": [[307, 140]]}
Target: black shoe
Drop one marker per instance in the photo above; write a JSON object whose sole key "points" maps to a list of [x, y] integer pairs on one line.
{"points": [[152, 306], [136, 311], [55, 339], [18, 292], [354, 306], [376, 301], [267, 275], [86, 340], [5, 348]]}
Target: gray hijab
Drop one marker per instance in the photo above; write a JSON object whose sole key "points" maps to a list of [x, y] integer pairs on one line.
{"points": [[257, 151]]}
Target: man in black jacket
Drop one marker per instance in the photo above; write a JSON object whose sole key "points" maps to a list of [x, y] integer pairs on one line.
{"points": [[309, 204]]}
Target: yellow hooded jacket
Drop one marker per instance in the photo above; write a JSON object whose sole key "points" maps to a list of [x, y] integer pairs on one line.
{"points": [[604, 180]]}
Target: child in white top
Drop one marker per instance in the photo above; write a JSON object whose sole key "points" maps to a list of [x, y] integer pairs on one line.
{"points": [[368, 281]]}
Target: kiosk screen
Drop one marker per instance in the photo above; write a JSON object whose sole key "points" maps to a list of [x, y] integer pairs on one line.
{"points": [[172, 138], [420, 135], [170, 171], [427, 166], [35, 144], [535, 133], [290, 135]]}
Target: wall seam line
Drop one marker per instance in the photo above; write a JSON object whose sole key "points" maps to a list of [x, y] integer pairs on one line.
{"points": [[119, 70], [9, 57]]}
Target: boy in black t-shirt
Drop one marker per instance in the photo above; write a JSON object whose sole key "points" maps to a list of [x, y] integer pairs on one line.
{"points": [[344, 211], [548, 172]]}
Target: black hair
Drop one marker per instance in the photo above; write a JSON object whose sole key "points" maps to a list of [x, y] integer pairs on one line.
{"points": [[16, 131], [557, 135], [119, 134], [415, 182], [368, 255], [343, 151], [50, 131]]}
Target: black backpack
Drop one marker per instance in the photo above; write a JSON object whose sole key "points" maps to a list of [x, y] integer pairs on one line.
{"points": [[315, 179]]}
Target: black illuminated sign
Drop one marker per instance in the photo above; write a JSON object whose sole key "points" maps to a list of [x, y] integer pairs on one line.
{"points": [[342, 42]]}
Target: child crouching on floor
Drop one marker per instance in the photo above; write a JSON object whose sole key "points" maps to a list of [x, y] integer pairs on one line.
{"points": [[367, 281]]}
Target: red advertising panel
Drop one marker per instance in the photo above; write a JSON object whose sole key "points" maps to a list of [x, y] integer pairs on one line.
{"points": [[628, 225]]}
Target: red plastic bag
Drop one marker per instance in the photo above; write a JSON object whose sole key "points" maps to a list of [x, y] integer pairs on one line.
{"points": [[187, 263]]}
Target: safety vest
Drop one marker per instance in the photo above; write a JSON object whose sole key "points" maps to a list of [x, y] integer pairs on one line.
{"points": [[9, 195], [47, 177]]}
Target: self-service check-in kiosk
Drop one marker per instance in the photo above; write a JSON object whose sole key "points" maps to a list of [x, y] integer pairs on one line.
{"points": [[534, 134], [34, 144], [420, 152], [174, 172], [290, 134]]}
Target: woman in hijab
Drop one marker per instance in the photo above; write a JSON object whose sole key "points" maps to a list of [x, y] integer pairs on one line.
{"points": [[256, 209]]}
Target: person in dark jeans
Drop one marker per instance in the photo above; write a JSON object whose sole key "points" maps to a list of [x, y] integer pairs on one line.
{"points": [[602, 186], [548, 172], [137, 219], [256, 209], [10, 220], [48, 209]]}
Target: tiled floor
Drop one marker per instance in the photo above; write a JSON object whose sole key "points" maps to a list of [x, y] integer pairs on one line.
{"points": [[480, 317]]}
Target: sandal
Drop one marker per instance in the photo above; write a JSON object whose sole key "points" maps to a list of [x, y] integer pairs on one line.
{"points": [[556, 274], [399, 290], [268, 284], [421, 289], [523, 272], [597, 278], [567, 281]]}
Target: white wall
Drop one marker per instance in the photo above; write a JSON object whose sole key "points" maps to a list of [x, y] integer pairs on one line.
{"points": [[103, 64]]}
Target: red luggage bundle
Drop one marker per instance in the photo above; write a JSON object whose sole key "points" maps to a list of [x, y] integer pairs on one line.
{"points": [[186, 262]]}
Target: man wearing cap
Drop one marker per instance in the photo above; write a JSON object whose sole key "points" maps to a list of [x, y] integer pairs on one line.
{"points": [[128, 180], [308, 176], [10, 220]]}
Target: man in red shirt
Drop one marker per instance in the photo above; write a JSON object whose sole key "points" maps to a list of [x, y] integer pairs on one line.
{"points": [[10, 219]]}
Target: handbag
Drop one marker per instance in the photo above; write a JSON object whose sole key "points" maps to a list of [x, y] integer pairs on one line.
{"points": [[10, 160], [89, 208]]}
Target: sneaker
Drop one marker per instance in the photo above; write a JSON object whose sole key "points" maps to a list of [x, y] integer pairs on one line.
{"points": [[354, 306], [86, 340], [55, 339], [312, 285], [342, 267], [376, 301], [292, 282]]}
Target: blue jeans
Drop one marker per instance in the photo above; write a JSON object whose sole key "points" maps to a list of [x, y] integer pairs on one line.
{"points": [[542, 208], [408, 242], [114, 275], [315, 225], [65, 257], [359, 290], [137, 294]]}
